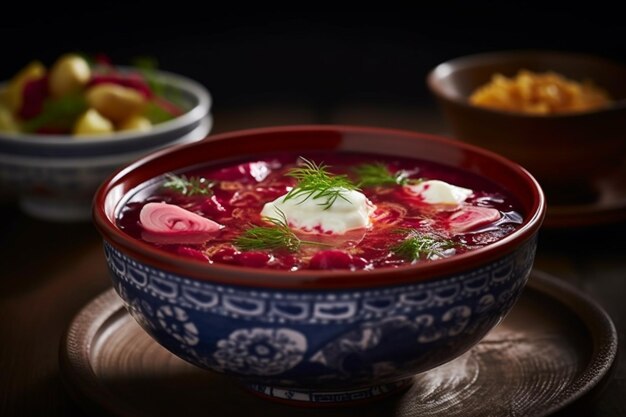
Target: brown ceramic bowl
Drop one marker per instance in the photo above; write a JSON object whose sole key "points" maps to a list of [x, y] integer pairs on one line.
{"points": [[565, 152]]}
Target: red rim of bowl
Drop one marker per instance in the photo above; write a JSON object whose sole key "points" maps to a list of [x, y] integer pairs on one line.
{"points": [[333, 279]]}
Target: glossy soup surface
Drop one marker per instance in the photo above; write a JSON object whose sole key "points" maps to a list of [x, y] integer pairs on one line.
{"points": [[241, 189]]}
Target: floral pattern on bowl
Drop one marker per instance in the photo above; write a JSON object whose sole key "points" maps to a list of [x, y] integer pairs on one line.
{"points": [[327, 342]]}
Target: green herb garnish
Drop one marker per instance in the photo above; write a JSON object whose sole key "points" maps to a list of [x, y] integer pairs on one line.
{"points": [[59, 112], [417, 246], [156, 114], [314, 181], [276, 236], [147, 66], [371, 175], [189, 186]]}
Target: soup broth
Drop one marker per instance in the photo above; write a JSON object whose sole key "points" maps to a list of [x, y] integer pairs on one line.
{"points": [[371, 212]]}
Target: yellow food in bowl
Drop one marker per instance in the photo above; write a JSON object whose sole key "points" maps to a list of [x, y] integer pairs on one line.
{"points": [[81, 98], [539, 93]]}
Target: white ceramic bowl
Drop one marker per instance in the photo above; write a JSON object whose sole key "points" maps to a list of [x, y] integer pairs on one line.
{"points": [[55, 176]]}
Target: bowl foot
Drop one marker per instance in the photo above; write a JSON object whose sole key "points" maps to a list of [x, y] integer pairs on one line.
{"points": [[322, 398], [59, 210]]}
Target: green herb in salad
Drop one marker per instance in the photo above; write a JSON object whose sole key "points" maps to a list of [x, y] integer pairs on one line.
{"points": [[156, 114], [148, 66], [60, 112]]}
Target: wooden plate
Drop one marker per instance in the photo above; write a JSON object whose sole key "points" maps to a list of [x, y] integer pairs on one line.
{"points": [[608, 205], [554, 347]]}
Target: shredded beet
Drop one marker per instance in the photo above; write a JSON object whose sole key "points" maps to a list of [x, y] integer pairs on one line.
{"points": [[191, 253], [336, 259], [254, 259]]}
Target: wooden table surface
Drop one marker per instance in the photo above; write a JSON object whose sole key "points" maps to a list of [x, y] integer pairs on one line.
{"points": [[50, 270]]}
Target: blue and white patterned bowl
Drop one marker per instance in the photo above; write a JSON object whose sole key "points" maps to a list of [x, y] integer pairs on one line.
{"points": [[56, 176], [320, 337]]}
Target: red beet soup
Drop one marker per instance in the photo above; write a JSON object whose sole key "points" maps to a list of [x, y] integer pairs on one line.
{"points": [[320, 210]]}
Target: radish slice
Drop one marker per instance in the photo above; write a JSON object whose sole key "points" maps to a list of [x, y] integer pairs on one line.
{"points": [[134, 81], [170, 224], [470, 217]]}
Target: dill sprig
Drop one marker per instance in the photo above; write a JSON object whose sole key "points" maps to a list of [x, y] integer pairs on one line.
{"points": [[314, 181], [276, 236], [420, 246], [188, 186], [371, 175]]}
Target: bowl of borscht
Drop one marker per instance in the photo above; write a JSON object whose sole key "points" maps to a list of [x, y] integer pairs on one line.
{"points": [[320, 265]]}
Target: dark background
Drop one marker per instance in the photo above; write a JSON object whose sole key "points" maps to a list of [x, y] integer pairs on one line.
{"points": [[280, 61], [316, 59]]}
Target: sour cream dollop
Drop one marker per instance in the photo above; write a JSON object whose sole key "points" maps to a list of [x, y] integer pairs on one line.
{"points": [[353, 211], [439, 192]]}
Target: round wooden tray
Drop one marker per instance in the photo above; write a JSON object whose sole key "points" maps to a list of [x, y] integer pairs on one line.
{"points": [[554, 347], [607, 206]]}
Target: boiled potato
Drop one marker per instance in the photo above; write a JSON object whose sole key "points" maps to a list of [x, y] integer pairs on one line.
{"points": [[136, 122], [4, 97], [7, 121], [15, 89], [91, 122], [68, 74], [115, 102]]}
